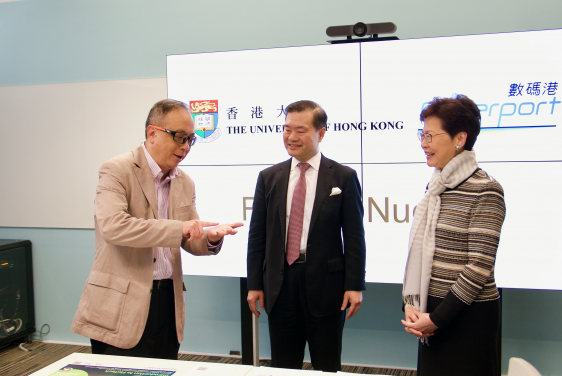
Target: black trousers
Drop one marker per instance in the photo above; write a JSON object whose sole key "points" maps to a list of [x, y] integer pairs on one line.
{"points": [[159, 339], [291, 326]]}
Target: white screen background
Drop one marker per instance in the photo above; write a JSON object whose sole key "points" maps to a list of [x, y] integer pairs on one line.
{"points": [[383, 86]]}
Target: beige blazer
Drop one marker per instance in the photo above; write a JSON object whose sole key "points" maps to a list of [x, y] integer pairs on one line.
{"points": [[115, 302]]}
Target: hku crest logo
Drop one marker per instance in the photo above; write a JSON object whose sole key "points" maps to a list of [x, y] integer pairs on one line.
{"points": [[206, 118]]}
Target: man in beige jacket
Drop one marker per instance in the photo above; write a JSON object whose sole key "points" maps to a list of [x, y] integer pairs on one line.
{"points": [[133, 303]]}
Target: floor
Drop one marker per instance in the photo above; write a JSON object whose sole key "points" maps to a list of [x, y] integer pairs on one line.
{"points": [[17, 362]]}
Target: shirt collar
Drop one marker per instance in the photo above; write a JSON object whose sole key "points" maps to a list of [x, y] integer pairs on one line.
{"points": [[155, 170], [314, 162]]}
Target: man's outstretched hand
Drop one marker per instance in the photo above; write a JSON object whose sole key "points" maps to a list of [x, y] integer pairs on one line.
{"points": [[194, 229], [215, 234]]}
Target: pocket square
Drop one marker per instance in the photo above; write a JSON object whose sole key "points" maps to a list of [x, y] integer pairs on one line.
{"points": [[335, 191]]}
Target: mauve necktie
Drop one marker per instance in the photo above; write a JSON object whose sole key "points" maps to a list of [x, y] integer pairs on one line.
{"points": [[295, 219]]}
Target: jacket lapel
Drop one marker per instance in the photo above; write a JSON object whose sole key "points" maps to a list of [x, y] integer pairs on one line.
{"points": [[145, 179], [176, 187], [282, 184], [325, 174]]}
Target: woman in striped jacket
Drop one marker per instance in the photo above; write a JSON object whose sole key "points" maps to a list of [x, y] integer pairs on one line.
{"points": [[450, 297]]}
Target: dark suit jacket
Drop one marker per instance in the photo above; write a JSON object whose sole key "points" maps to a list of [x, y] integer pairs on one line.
{"points": [[333, 265]]}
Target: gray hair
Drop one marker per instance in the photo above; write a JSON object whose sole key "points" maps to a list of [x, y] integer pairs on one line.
{"points": [[161, 109]]}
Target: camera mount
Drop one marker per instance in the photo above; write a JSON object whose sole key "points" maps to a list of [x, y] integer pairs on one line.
{"points": [[360, 30]]}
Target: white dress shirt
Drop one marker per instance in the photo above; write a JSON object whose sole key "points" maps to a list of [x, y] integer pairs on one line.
{"points": [[311, 176]]}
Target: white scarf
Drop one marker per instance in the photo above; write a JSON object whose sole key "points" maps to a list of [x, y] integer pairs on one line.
{"points": [[422, 235]]}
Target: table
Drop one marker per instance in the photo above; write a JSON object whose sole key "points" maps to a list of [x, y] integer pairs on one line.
{"points": [[79, 364]]}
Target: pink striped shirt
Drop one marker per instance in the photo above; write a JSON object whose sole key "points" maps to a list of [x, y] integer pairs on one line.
{"points": [[162, 255]]}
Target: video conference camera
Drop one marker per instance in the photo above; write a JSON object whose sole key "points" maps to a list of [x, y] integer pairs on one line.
{"points": [[360, 30]]}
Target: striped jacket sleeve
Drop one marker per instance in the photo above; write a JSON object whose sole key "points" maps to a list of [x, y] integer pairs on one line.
{"points": [[483, 238]]}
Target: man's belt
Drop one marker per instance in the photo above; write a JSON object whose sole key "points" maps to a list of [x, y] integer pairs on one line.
{"points": [[163, 284]]}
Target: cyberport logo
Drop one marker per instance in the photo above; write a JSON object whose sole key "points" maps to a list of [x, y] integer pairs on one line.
{"points": [[542, 113], [533, 110], [206, 118]]}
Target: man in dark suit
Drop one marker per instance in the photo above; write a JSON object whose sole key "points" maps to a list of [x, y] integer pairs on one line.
{"points": [[306, 246]]}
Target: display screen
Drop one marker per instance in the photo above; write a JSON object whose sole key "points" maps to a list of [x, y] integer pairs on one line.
{"points": [[373, 93]]}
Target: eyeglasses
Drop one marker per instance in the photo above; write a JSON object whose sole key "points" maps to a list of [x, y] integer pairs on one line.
{"points": [[179, 137], [428, 137]]}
